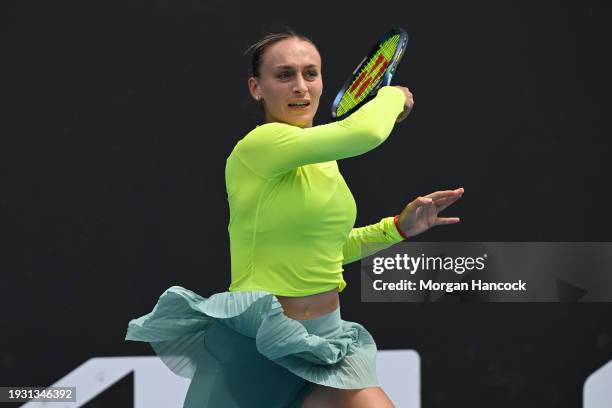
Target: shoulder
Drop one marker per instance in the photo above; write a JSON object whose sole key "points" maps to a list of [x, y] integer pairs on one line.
{"points": [[269, 129], [263, 136]]}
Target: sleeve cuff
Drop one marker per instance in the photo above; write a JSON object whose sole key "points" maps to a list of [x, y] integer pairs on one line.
{"points": [[397, 228], [394, 93], [391, 229]]}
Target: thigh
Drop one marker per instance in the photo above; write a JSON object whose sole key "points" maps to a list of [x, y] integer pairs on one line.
{"points": [[371, 397], [322, 397], [327, 397]]}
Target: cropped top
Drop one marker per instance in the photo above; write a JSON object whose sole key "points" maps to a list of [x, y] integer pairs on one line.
{"points": [[291, 212]]}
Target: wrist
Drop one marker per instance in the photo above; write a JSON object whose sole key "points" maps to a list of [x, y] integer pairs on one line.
{"points": [[399, 229]]}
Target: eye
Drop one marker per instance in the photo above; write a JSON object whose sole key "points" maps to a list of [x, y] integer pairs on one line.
{"points": [[311, 74], [284, 75]]}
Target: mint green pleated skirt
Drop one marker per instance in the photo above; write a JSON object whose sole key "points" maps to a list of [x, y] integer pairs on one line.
{"points": [[241, 351]]}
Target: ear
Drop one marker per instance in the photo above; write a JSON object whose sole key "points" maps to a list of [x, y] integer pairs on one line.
{"points": [[254, 89]]}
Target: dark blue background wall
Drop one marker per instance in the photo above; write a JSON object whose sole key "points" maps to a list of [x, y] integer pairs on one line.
{"points": [[122, 114]]}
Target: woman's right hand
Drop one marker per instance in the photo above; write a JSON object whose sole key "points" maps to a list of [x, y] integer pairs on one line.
{"points": [[408, 104]]}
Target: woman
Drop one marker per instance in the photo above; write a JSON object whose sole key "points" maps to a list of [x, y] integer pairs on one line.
{"points": [[276, 338]]}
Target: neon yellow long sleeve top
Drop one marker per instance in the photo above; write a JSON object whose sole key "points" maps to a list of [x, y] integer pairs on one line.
{"points": [[291, 212]]}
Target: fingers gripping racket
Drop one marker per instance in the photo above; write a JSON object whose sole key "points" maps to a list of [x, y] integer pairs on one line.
{"points": [[373, 72]]}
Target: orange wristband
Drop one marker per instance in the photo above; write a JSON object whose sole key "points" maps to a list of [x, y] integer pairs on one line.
{"points": [[396, 221]]}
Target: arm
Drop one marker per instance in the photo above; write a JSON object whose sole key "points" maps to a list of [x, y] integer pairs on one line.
{"points": [[368, 240], [275, 148]]}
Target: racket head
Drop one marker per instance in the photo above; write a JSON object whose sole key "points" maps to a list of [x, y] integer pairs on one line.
{"points": [[373, 72]]}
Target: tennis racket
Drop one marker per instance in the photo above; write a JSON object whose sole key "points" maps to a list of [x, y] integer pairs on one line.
{"points": [[373, 72]]}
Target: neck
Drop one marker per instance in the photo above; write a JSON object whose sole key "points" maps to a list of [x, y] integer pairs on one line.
{"points": [[270, 119]]}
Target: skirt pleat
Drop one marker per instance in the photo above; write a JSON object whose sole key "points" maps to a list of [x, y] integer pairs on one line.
{"points": [[190, 332]]}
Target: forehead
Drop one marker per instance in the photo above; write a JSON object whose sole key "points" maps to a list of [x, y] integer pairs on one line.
{"points": [[293, 52]]}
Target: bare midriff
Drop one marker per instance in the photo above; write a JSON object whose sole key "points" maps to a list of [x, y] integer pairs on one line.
{"points": [[310, 307]]}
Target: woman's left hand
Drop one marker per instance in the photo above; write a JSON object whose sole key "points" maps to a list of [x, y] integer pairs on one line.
{"points": [[422, 214]]}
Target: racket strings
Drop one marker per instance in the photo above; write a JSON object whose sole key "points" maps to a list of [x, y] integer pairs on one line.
{"points": [[369, 76]]}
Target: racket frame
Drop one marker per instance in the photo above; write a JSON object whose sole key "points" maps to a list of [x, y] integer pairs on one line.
{"points": [[386, 77]]}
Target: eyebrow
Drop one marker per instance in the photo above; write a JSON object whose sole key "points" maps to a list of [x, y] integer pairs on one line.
{"points": [[291, 67]]}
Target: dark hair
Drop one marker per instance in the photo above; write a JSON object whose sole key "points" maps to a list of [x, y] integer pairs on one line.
{"points": [[269, 39]]}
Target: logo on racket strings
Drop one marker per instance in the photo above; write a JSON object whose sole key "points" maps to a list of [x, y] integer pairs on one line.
{"points": [[370, 76]]}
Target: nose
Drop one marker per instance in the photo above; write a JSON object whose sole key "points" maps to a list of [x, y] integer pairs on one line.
{"points": [[299, 86]]}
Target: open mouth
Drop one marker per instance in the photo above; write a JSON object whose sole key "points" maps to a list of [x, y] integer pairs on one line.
{"points": [[299, 104]]}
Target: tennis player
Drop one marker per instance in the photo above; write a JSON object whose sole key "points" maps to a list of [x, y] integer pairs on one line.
{"points": [[276, 338]]}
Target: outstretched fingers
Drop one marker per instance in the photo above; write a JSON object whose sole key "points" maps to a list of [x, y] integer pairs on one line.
{"points": [[447, 220], [443, 203], [445, 193], [442, 200]]}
